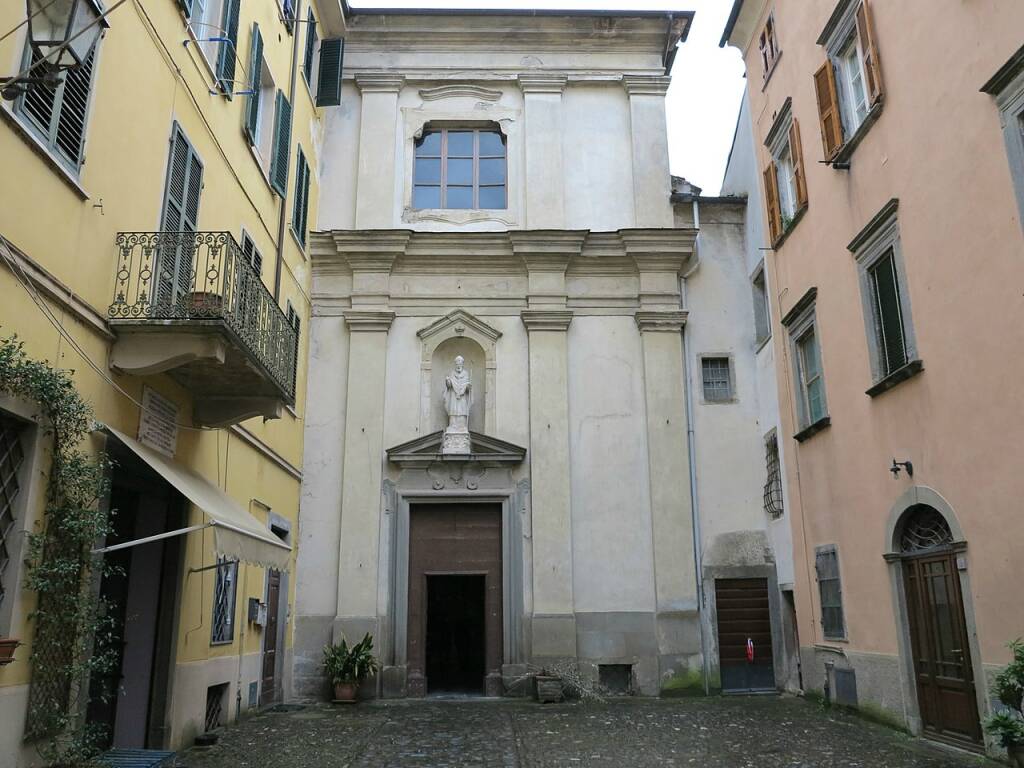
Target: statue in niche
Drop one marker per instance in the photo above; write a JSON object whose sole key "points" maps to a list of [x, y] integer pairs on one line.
{"points": [[458, 397]]}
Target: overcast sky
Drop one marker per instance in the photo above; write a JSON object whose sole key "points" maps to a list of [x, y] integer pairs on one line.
{"points": [[707, 81]]}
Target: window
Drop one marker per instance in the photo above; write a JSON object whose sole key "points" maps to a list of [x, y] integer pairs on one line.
{"points": [[281, 146], [1007, 86], [886, 304], [773, 504], [768, 47], [288, 14], [250, 253], [328, 76], [309, 58], [12, 456], [812, 385], [224, 601], [293, 317], [717, 378], [848, 85], [214, 24], [268, 118], [762, 322], [460, 168], [784, 179], [300, 205], [57, 114], [826, 566]]}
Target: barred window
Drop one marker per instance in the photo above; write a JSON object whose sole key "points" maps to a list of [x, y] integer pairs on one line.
{"points": [[717, 379], [826, 566], [773, 483], [11, 457], [224, 601]]}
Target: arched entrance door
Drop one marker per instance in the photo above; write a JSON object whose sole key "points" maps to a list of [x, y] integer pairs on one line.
{"points": [[938, 631]]}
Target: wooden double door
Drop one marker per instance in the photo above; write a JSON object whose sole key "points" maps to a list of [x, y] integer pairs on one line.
{"points": [[941, 652], [744, 635]]}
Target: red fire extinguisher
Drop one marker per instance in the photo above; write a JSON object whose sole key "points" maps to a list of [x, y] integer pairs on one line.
{"points": [[750, 651]]}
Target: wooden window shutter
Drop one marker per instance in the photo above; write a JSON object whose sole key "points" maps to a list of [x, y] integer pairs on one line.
{"points": [[828, 109], [332, 60], [797, 151], [300, 209], [226, 56], [180, 214], [307, 59], [866, 33], [252, 108], [771, 201], [282, 144]]}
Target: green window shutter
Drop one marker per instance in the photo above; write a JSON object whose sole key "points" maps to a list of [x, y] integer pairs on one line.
{"points": [[307, 61], [288, 13], [228, 50], [332, 60], [300, 205], [180, 214], [282, 144], [252, 109], [889, 328]]}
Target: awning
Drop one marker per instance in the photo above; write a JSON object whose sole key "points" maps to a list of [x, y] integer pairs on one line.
{"points": [[238, 535]]}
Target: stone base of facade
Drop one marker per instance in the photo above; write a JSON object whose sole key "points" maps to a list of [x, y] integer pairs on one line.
{"points": [[877, 682]]}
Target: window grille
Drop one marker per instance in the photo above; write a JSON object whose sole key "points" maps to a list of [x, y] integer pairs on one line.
{"points": [[885, 299], [11, 457], [224, 601], [826, 566], [215, 696], [460, 169], [773, 484], [717, 381], [925, 529]]}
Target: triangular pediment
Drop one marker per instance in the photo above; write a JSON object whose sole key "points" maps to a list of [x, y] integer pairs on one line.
{"points": [[459, 321], [485, 450]]}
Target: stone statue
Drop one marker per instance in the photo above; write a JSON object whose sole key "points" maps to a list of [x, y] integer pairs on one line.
{"points": [[458, 397]]}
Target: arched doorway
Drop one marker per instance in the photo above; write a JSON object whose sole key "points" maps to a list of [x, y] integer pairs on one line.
{"points": [[939, 641]]}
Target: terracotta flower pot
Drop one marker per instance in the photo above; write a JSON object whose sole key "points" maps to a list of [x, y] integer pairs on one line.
{"points": [[346, 692], [7, 646]]}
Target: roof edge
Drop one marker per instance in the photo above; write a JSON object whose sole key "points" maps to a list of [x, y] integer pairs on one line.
{"points": [[730, 23]]}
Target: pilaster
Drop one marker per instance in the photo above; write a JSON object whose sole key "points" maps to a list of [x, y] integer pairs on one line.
{"points": [[669, 479], [370, 259], [362, 468], [651, 184], [660, 256], [553, 624], [545, 180], [376, 206], [546, 255]]}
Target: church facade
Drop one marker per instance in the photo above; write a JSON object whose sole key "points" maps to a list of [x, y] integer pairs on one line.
{"points": [[517, 458]]}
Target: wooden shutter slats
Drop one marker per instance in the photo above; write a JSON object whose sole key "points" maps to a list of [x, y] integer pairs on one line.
{"points": [[226, 56], [332, 60], [771, 200], [282, 145], [797, 151], [828, 110], [301, 202], [872, 69], [180, 214], [252, 111]]}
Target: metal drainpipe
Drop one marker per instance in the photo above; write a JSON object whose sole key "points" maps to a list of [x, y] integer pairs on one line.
{"points": [[283, 218], [691, 449]]}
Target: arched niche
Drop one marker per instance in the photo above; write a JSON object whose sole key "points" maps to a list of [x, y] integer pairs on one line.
{"points": [[458, 333]]}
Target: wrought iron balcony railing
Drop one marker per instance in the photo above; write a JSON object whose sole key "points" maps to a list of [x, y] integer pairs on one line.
{"points": [[202, 278]]}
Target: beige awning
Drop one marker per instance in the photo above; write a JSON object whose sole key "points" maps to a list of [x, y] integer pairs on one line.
{"points": [[238, 535]]}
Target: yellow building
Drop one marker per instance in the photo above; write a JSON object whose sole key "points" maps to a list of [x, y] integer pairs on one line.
{"points": [[198, 120]]}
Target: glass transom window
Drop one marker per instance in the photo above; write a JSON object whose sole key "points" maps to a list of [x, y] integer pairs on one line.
{"points": [[460, 168]]}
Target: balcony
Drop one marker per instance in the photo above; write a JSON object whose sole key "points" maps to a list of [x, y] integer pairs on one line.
{"points": [[191, 305]]}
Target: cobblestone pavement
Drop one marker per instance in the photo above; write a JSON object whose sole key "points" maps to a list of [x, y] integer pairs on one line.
{"points": [[724, 732]]}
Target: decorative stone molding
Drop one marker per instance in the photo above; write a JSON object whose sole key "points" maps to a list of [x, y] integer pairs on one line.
{"points": [[368, 320], [379, 82], [646, 85], [546, 319], [542, 82], [425, 453], [672, 322], [463, 90], [546, 254]]}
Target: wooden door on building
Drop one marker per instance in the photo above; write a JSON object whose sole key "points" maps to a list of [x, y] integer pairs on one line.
{"points": [[268, 688], [744, 635], [939, 643], [455, 599]]}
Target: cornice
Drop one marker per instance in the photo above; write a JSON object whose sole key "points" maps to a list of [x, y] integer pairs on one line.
{"points": [[379, 82], [368, 319], [666, 321], [460, 318], [542, 82], [659, 249], [370, 251], [546, 319], [459, 90], [547, 250], [646, 85]]}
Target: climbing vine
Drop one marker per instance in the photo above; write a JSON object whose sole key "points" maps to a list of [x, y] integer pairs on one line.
{"points": [[73, 629]]}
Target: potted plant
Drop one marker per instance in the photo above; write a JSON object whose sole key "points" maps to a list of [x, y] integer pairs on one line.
{"points": [[347, 666], [547, 687], [7, 646], [1008, 726]]}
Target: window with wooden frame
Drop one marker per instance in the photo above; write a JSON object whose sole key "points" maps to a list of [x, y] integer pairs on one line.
{"points": [[1007, 87], [848, 85], [251, 253], [768, 46], [830, 592], [785, 182], [460, 168], [810, 381], [762, 317]]}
